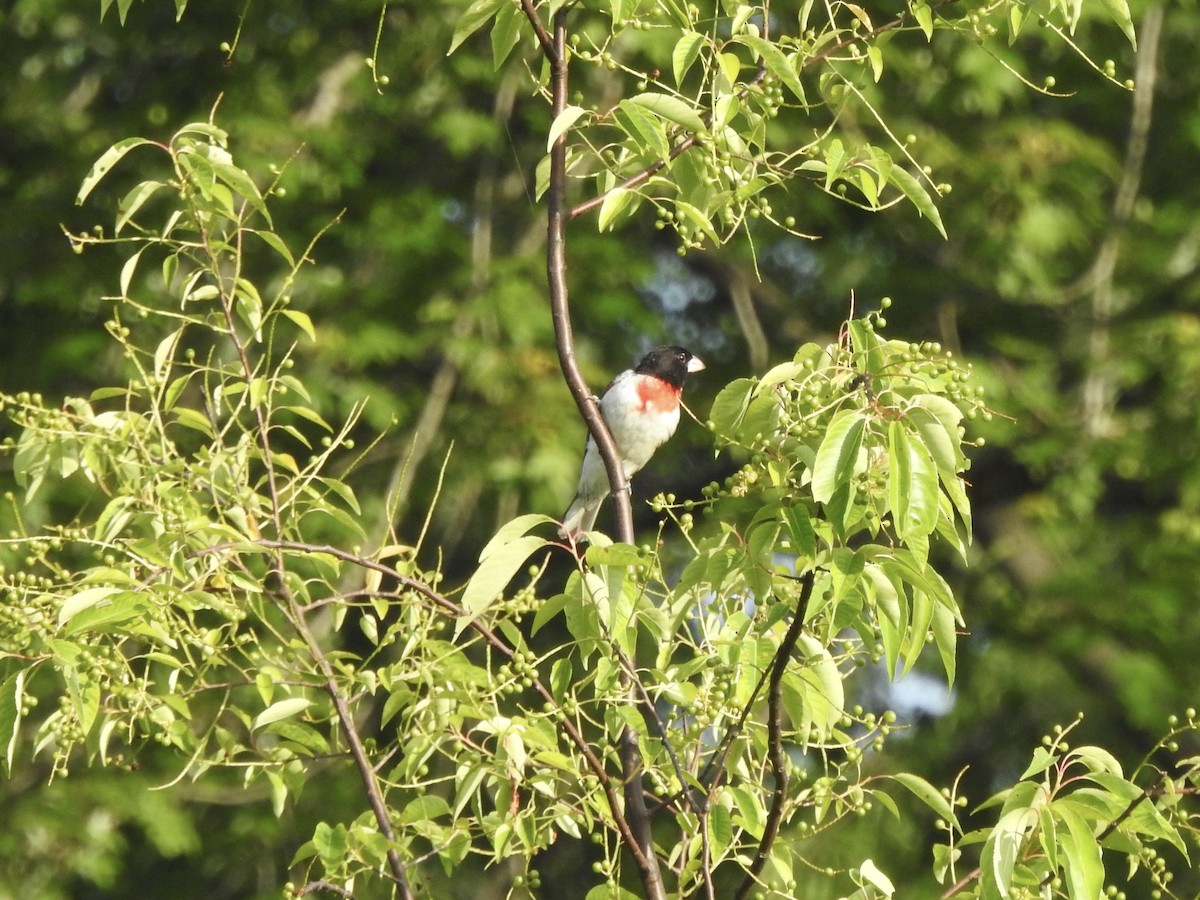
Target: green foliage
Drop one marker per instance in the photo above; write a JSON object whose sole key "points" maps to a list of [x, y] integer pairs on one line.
{"points": [[181, 606], [712, 143], [201, 576], [193, 605], [1070, 804]]}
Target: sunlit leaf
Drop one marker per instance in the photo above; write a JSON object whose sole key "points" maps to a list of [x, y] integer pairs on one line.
{"points": [[671, 108], [562, 122], [104, 164], [918, 196], [838, 453], [687, 49], [277, 712], [476, 16]]}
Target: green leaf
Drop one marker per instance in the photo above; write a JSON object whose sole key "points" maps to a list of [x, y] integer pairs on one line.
{"points": [[476, 16], [1042, 760], [621, 10], [128, 270], [804, 538], [918, 196], [506, 32], [730, 65], [939, 443], [945, 635], [615, 203], [109, 611], [165, 351], [1119, 11], [12, 694], [197, 421], [720, 828], [133, 201], [643, 127], [872, 875], [85, 697], [687, 49], [875, 56], [563, 121], [927, 794], [499, 563], [240, 181], [838, 453], [776, 62], [303, 321], [330, 844], [306, 738], [825, 696], [424, 809], [85, 599], [730, 406], [467, 780], [561, 676], [107, 160], [1097, 759], [275, 242], [671, 108], [868, 352], [515, 528], [277, 712], [785, 371], [1081, 851], [924, 17], [547, 611], [912, 483], [1002, 851]]}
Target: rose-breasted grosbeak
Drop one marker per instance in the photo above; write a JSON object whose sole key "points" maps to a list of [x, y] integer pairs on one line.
{"points": [[641, 407]]}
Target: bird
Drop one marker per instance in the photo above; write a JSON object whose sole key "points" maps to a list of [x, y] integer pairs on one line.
{"points": [[641, 409]]}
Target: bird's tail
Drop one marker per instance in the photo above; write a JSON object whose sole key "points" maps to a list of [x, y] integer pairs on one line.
{"points": [[580, 517]]}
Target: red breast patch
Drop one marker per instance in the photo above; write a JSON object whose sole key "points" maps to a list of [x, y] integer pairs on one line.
{"points": [[655, 395]]}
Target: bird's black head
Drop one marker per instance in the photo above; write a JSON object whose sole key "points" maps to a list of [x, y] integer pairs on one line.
{"points": [[671, 364]]}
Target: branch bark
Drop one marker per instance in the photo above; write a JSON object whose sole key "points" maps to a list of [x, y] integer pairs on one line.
{"points": [[556, 275], [636, 814], [779, 761]]}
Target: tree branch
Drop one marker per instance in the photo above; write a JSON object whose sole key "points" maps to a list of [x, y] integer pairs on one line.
{"points": [[594, 762], [560, 311], [362, 762], [553, 53], [779, 761], [642, 846]]}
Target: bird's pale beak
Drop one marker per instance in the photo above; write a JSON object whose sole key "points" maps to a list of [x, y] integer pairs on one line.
{"points": [[694, 364]]}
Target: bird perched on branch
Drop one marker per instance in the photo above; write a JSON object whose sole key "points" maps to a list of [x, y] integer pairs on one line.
{"points": [[641, 408]]}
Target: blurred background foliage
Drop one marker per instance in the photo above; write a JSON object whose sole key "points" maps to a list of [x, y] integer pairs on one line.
{"points": [[1069, 280]]}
